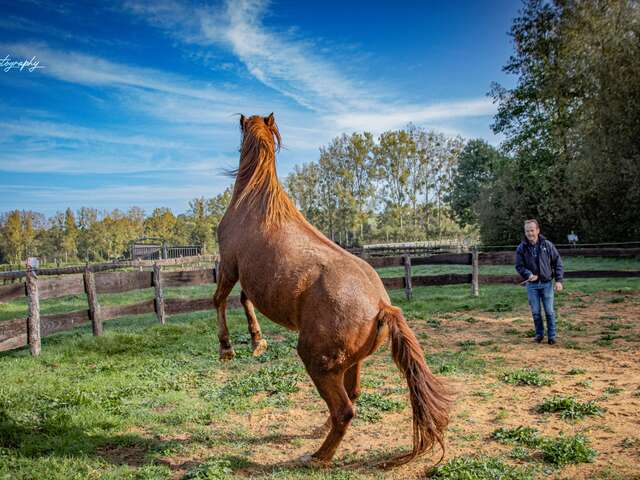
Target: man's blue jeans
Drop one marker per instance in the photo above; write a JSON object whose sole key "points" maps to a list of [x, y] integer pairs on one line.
{"points": [[542, 293]]}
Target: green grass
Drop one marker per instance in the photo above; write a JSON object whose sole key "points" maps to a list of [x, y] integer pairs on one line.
{"points": [[526, 376], [577, 371], [157, 391], [527, 436], [570, 264], [370, 406], [612, 390], [449, 362], [569, 408], [559, 451], [564, 450], [479, 468]]}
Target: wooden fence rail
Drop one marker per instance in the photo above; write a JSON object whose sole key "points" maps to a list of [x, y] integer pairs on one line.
{"points": [[92, 281]]}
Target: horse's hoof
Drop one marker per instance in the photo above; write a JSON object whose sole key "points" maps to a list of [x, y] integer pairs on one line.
{"points": [[259, 348], [227, 354]]}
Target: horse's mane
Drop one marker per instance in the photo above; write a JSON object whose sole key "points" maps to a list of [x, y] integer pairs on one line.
{"points": [[257, 182]]}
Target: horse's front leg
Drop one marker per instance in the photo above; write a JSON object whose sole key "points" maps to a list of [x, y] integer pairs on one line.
{"points": [[258, 343], [224, 287]]}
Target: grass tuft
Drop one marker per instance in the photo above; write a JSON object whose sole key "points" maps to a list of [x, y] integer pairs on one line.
{"points": [[479, 468], [526, 376], [612, 390], [577, 371], [527, 436], [569, 407], [563, 450]]}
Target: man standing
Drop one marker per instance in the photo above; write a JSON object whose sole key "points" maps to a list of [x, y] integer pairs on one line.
{"points": [[538, 262]]}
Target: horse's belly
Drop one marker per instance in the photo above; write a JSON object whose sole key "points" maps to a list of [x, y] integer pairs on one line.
{"points": [[273, 308]]}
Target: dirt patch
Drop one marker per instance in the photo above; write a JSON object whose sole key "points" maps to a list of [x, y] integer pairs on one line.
{"points": [[596, 358]]}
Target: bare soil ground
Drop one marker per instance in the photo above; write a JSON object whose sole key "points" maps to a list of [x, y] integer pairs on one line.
{"points": [[598, 342]]}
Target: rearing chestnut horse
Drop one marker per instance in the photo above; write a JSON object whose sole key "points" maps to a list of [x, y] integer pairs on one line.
{"points": [[298, 278]]}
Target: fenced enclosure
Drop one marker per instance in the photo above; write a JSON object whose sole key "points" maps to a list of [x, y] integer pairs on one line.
{"points": [[94, 280], [141, 249]]}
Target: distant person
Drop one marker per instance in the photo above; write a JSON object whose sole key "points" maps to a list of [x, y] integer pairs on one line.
{"points": [[538, 262], [573, 238]]}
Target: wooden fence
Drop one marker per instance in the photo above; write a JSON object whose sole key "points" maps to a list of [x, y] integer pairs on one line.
{"points": [[92, 280]]}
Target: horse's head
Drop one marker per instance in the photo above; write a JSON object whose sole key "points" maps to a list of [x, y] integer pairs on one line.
{"points": [[259, 130], [256, 180]]}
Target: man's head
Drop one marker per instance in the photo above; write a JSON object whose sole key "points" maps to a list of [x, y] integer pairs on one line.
{"points": [[532, 230]]}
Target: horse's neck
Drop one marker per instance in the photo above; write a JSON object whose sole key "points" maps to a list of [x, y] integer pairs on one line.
{"points": [[258, 195]]}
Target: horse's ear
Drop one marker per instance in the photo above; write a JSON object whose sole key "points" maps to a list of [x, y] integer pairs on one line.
{"points": [[242, 120], [270, 120]]}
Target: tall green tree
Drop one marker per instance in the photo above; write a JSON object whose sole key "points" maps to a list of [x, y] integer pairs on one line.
{"points": [[571, 122], [477, 165], [69, 245], [13, 242]]}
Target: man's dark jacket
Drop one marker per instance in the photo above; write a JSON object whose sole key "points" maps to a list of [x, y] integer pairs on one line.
{"points": [[548, 264]]}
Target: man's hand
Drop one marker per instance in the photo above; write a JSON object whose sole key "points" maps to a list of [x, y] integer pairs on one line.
{"points": [[558, 287], [533, 278]]}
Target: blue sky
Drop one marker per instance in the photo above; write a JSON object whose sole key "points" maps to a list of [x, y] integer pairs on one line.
{"points": [[136, 102]]}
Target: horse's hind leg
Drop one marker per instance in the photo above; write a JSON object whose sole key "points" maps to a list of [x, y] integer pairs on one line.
{"points": [[258, 343], [224, 286], [330, 385], [352, 381], [352, 387]]}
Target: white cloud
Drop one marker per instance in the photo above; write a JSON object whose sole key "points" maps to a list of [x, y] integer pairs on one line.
{"points": [[391, 118], [295, 68], [90, 70], [85, 135]]}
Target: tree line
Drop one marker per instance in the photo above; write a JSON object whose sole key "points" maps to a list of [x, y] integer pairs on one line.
{"points": [[393, 188], [91, 235]]}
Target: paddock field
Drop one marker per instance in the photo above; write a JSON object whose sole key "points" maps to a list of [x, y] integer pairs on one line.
{"points": [[147, 401]]}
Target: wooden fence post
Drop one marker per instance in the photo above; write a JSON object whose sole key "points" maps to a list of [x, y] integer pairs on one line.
{"points": [[33, 322], [159, 299], [92, 299], [216, 269], [407, 276], [475, 272]]}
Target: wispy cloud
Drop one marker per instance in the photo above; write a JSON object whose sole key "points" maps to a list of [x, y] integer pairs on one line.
{"points": [[109, 196], [397, 117], [282, 62], [90, 70], [293, 67]]}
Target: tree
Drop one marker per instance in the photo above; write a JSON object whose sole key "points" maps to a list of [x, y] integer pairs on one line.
{"points": [[572, 122], [70, 237], [202, 226], [13, 244], [161, 224], [28, 234], [216, 208], [393, 153], [477, 165], [303, 186]]}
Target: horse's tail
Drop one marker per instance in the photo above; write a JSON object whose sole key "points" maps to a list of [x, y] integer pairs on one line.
{"points": [[430, 399]]}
